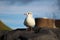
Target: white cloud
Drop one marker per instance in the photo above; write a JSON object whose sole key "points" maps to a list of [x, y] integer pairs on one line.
{"points": [[22, 9], [36, 6]]}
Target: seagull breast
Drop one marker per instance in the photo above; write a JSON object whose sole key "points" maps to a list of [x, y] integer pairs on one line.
{"points": [[29, 21]]}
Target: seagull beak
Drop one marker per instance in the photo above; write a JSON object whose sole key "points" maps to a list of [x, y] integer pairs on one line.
{"points": [[25, 14]]}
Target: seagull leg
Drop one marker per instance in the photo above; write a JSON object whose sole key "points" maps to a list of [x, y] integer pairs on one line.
{"points": [[28, 29], [31, 28]]}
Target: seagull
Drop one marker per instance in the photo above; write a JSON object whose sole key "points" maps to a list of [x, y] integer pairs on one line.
{"points": [[29, 20]]}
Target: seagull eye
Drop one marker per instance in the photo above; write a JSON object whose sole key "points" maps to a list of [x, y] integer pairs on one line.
{"points": [[28, 13]]}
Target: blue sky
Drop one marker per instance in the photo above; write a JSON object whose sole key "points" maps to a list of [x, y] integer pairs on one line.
{"points": [[12, 11]]}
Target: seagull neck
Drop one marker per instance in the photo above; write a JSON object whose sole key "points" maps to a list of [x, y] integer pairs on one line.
{"points": [[30, 16]]}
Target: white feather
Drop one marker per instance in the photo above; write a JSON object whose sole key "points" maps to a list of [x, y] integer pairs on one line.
{"points": [[29, 21]]}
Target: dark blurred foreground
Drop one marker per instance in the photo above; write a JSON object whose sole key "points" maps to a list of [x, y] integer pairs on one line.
{"points": [[23, 34]]}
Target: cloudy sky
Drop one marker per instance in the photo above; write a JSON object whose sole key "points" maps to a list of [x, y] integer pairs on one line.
{"points": [[12, 11]]}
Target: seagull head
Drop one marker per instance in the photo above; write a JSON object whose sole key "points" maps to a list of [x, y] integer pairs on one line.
{"points": [[28, 14]]}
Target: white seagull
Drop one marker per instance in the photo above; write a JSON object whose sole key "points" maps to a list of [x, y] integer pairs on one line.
{"points": [[29, 20]]}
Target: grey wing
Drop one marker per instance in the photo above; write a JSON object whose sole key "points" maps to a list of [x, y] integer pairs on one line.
{"points": [[25, 23]]}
